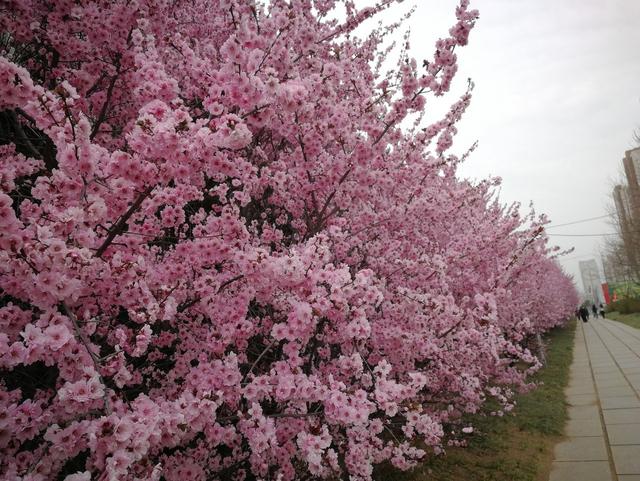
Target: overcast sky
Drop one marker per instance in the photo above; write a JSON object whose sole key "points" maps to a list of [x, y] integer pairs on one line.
{"points": [[556, 102]]}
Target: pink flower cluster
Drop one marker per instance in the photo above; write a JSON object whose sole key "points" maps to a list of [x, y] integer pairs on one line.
{"points": [[223, 255]]}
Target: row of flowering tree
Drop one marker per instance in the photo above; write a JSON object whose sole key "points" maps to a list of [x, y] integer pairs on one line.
{"points": [[230, 248]]}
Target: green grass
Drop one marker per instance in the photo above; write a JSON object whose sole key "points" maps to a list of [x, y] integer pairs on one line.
{"points": [[515, 447], [632, 320]]}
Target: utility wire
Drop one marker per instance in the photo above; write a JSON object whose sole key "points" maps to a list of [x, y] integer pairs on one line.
{"points": [[580, 221], [574, 257], [620, 234], [583, 235]]}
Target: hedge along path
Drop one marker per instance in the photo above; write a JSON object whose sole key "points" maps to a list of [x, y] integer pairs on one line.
{"points": [[224, 254], [514, 447]]}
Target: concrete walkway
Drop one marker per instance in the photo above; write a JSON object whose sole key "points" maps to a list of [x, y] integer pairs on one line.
{"points": [[603, 431]]}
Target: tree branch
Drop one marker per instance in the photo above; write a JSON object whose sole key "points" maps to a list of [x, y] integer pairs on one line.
{"points": [[105, 106], [94, 357], [24, 140], [122, 222]]}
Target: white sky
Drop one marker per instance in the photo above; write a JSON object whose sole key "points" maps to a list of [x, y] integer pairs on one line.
{"points": [[556, 102]]}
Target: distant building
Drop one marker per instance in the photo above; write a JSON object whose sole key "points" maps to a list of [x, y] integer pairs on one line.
{"points": [[631, 163], [626, 199], [591, 281], [623, 201]]}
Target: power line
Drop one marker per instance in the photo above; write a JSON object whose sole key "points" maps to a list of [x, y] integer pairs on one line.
{"points": [[580, 221], [583, 235], [574, 257]]}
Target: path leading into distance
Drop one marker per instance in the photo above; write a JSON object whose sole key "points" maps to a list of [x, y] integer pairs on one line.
{"points": [[603, 431]]}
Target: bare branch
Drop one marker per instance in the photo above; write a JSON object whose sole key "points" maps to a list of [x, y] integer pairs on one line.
{"points": [[94, 357], [105, 106], [122, 222], [24, 140]]}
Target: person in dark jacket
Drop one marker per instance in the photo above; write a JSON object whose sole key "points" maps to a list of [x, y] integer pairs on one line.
{"points": [[584, 314], [602, 310], [594, 309]]}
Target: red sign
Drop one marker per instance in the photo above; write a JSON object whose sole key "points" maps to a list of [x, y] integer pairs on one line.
{"points": [[605, 291]]}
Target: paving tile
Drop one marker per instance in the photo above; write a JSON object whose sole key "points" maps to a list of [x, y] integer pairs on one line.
{"points": [[617, 391], [580, 471], [619, 416], [617, 373], [583, 427], [582, 449], [581, 385], [581, 379], [584, 412], [609, 371], [570, 391], [611, 381], [584, 371], [629, 477], [616, 382], [619, 402], [626, 459], [582, 399], [610, 366], [608, 375], [585, 380], [624, 433], [604, 367]]}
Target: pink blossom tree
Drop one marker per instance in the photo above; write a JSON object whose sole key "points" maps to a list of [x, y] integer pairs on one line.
{"points": [[230, 248]]}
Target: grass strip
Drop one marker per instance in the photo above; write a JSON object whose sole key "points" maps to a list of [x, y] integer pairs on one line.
{"points": [[513, 447], [632, 320]]}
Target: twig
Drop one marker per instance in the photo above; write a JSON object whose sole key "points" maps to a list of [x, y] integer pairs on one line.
{"points": [[445, 333], [24, 140], [321, 215], [229, 281], [25, 115], [122, 222], [274, 415], [94, 357], [103, 112], [255, 363], [268, 52], [187, 304]]}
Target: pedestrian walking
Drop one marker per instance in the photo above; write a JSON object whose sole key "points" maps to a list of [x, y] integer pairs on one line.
{"points": [[584, 314], [594, 309], [602, 310]]}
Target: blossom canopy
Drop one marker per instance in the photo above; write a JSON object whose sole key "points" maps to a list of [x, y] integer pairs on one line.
{"points": [[232, 247]]}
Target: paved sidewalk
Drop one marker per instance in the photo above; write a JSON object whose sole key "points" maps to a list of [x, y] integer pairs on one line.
{"points": [[603, 431]]}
